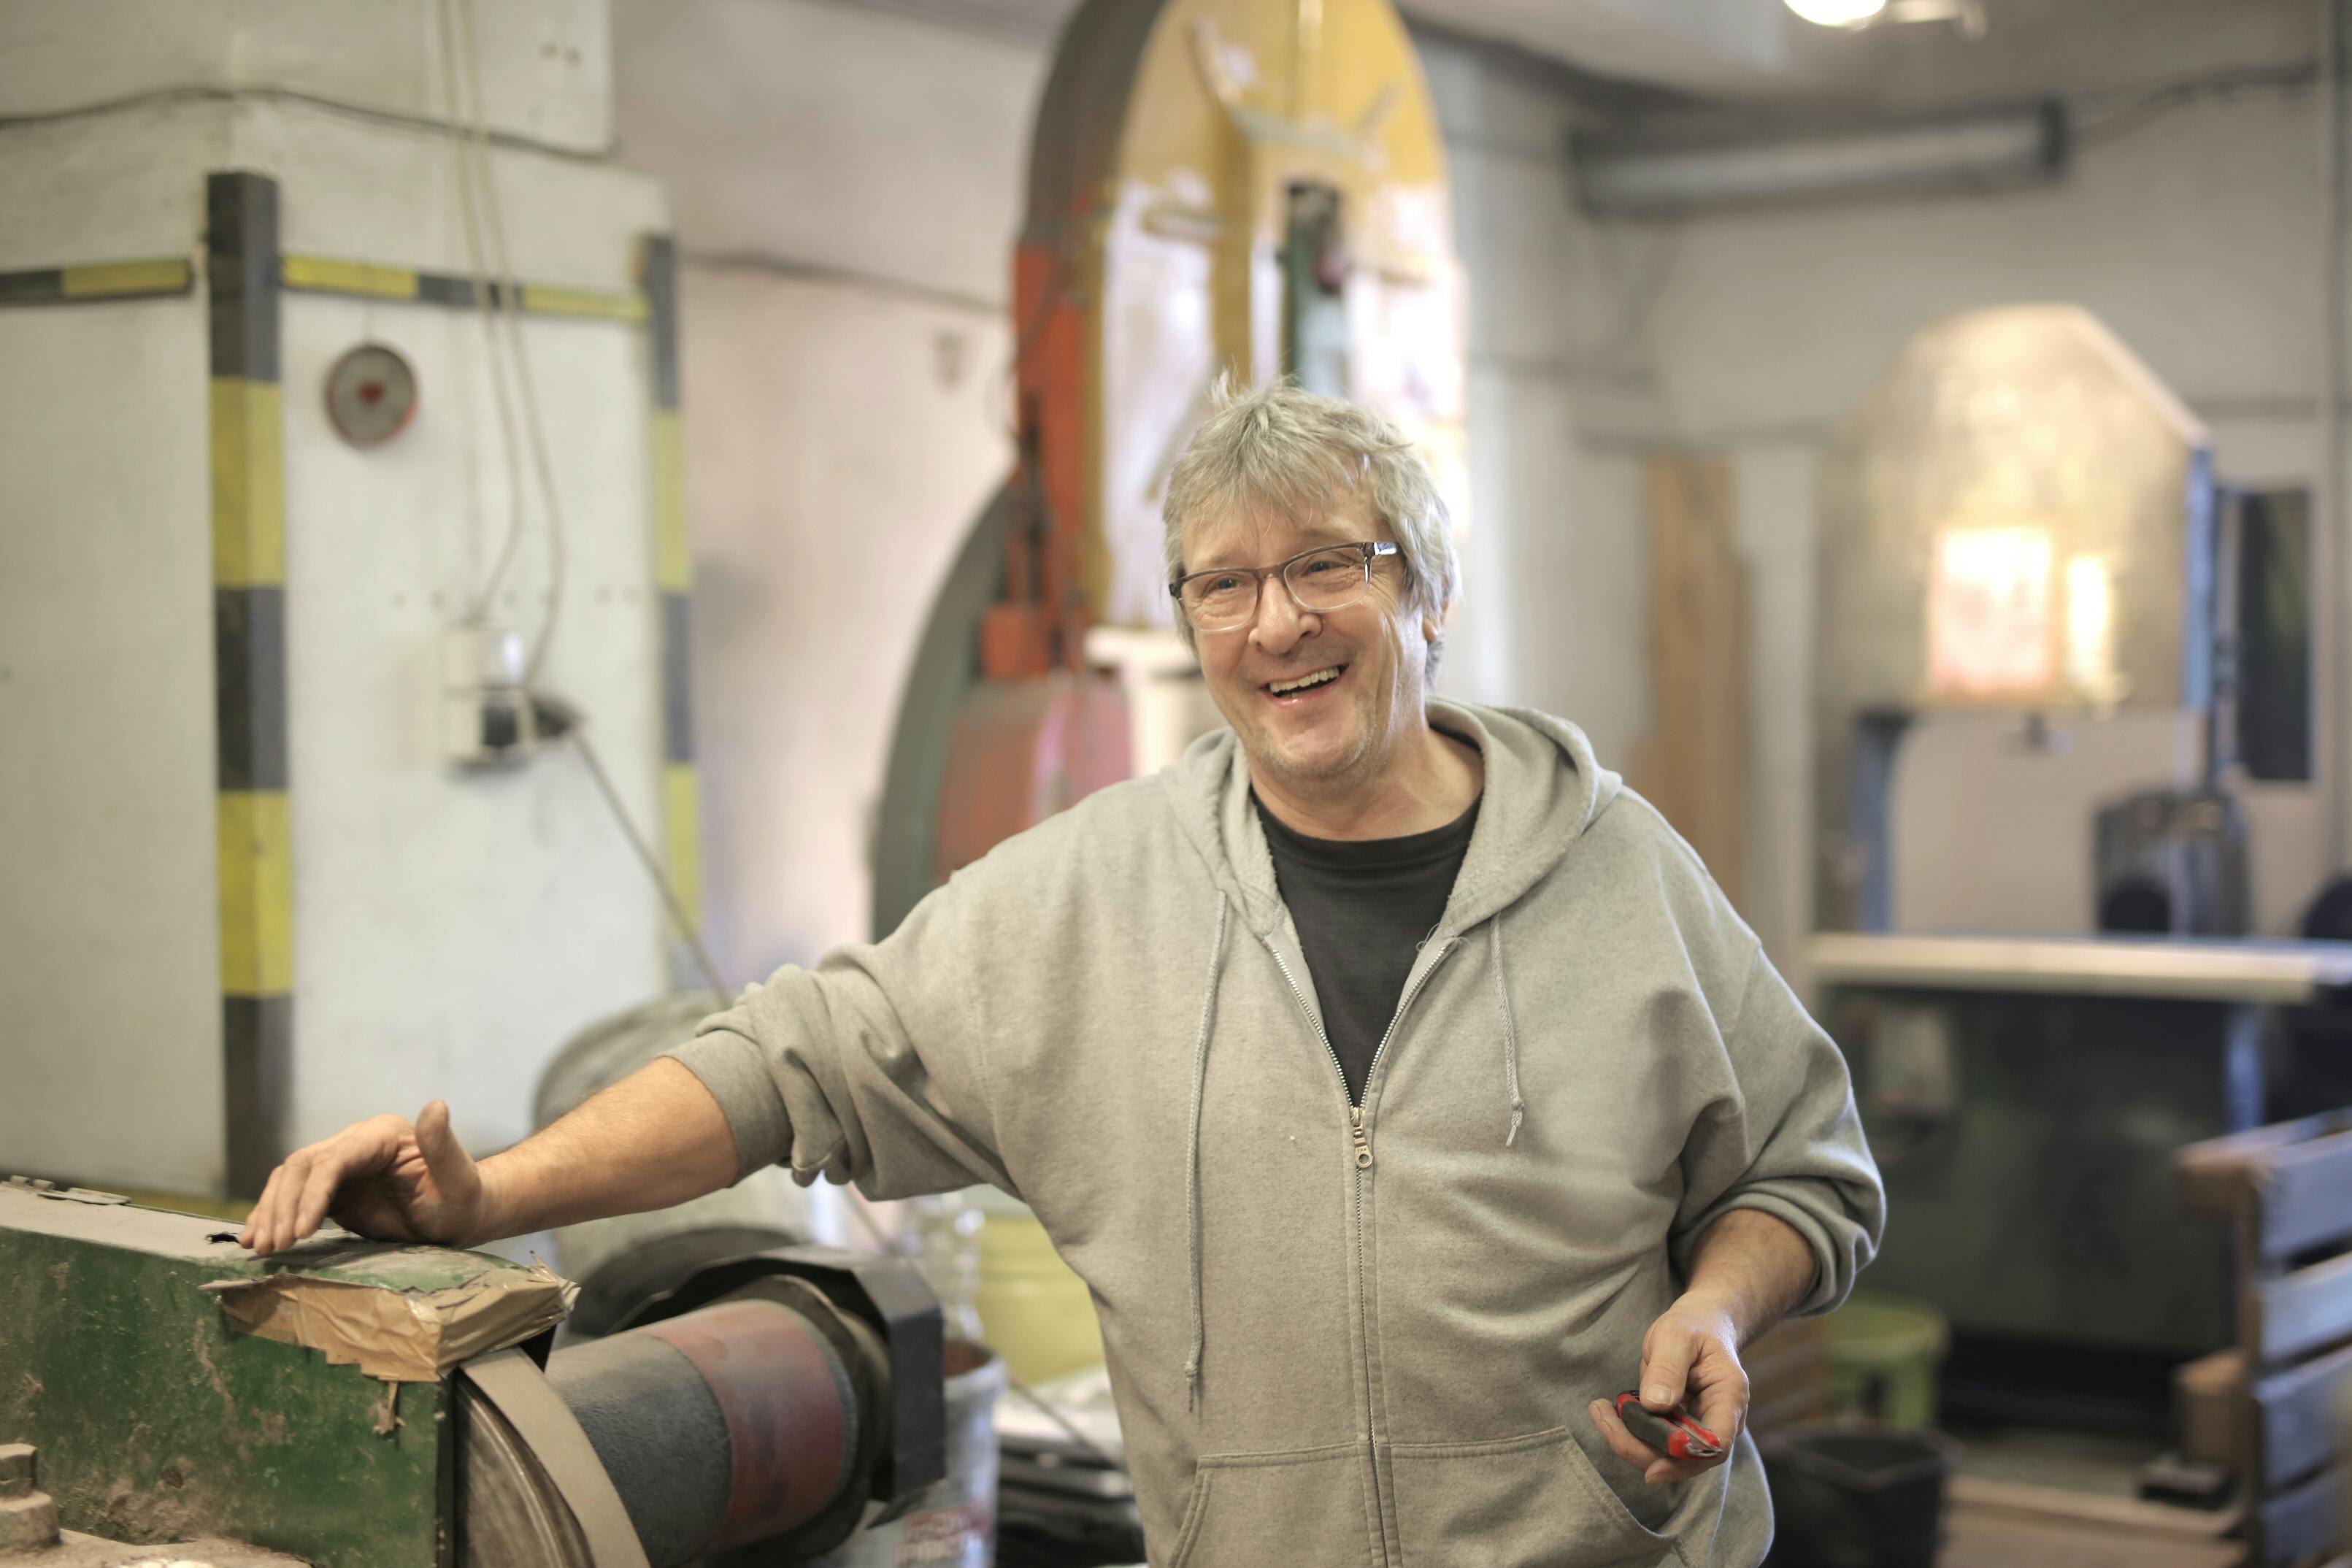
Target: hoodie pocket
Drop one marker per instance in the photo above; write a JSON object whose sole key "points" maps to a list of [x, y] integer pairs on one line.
{"points": [[1250, 1509], [1533, 1502]]}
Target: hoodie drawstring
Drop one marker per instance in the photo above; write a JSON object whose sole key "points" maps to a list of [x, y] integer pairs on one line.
{"points": [[1510, 1034], [1193, 1154]]}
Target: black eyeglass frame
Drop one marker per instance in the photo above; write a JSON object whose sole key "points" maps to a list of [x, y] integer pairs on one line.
{"points": [[1373, 549]]}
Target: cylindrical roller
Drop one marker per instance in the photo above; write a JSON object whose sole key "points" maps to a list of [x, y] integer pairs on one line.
{"points": [[730, 1425]]}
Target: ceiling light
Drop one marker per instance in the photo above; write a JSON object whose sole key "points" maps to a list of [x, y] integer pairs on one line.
{"points": [[1852, 15], [1837, 13]]}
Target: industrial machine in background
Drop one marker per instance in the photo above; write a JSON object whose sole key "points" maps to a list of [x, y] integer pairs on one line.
{"points": [[365, 1405], [1216, 187], [2053, 651]]}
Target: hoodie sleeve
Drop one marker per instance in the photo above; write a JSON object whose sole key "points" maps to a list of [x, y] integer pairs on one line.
{"points": [[866, 1068], [1785, 1140]]}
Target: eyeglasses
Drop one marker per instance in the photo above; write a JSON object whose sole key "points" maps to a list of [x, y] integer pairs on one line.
{"points": [[1330, 577]]}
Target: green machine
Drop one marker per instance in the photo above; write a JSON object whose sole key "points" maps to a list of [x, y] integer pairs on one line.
{"points": [[351, 1403]]}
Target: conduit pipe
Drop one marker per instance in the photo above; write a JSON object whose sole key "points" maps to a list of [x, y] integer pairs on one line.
{"points": [[2332, 634]]}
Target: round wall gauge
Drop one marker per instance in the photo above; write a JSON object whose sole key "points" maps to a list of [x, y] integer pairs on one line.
{"points": [[370, 395]]}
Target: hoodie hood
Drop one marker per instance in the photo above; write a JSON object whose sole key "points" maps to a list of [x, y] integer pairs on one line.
{"points": [[1543, 790]]}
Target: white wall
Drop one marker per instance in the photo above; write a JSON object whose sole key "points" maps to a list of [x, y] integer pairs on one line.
{"points": [[1554, 565], [450, 928], [2195, 236], [846, 187]]}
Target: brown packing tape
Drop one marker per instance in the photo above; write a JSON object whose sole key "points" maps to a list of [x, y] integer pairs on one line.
{"points": [[401, 1336]]}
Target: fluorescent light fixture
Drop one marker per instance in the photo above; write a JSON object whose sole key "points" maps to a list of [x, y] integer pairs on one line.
{"points": [[1837, 13], [1855, 14], [1980, 151]]}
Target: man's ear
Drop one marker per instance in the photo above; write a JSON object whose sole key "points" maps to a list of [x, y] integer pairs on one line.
{"points": [[1433, 621]]}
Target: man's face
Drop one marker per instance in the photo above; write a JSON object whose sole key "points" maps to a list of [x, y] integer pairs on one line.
{"points": [[1337, 730]]}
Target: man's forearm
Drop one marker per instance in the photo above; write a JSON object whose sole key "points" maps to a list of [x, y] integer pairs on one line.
{"points": [[1754, 1267], [653, 1138]]}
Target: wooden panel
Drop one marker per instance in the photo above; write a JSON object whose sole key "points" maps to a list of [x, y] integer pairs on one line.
{"points": [[1788, 1375], [2119, 1516], [1692, 765], [2297, 1313], [2218, 1172], [2308, 1198], [2297, 1415], [1977, 1538], [2210, 1402], [2303, 1522]]}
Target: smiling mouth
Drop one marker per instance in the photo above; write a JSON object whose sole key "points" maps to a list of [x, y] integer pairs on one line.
{"points": [[1308, 682]]}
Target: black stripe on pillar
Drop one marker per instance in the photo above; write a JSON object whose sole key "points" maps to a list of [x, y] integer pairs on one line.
{"points": [[678, 695], [661, 312], [249, 686], [41, 286], [439, 289], [244, 281], [258, 1052], [241, 265]]}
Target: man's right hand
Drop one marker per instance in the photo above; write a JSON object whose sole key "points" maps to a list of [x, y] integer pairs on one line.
{"points": [[382, 1178]]}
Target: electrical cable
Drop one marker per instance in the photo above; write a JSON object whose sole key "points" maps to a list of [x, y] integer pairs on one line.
{"points": [[2147, 108], [2330, 544], [561, 718], [510, 311], [199, 92], [502, 306], [486, 599]]}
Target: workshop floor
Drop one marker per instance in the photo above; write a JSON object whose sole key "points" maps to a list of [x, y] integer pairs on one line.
{"points": [[2029, 1498], [2101, 1463]]}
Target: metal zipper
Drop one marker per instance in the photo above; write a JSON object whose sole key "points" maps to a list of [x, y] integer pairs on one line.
{"points": [[1363, 1163]]}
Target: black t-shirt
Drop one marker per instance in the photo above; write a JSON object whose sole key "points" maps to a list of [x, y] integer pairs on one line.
{"points": [[1363, 907]]}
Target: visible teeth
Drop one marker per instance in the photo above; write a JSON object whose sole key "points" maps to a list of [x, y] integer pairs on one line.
{"points": [[1285, 687]]}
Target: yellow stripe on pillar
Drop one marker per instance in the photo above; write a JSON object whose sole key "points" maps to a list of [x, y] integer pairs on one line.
{"points": [[329, 275], [248, 483], [257, 892], [107, 280], [682, 834]]}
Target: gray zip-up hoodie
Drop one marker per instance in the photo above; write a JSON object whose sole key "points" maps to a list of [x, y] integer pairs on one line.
{"points": [[1340, 1339]]}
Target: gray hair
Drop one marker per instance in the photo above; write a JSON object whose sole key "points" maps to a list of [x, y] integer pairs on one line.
{"points": [[1278, 450]]}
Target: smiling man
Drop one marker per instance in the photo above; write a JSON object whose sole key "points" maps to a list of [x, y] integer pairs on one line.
{"points": [[1399, 1082]]}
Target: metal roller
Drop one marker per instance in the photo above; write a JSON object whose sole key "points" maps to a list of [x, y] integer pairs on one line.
{"points": [[758, 1423], [734, 1423]]}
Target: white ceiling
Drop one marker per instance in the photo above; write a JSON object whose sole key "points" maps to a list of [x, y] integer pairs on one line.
{"points": [[1755, 50]]}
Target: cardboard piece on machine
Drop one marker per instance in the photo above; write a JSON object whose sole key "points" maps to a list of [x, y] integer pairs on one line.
{"points": [[401, 1336]]}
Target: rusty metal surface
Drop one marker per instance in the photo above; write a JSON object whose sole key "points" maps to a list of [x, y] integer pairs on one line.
{"points": [[1020, 751], [789, 1412]]}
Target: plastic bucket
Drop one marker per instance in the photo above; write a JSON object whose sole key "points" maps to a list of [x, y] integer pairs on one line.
{"points": [[1884, 1354], [952, 1523], [1037, 1315], [1856, 1496]]}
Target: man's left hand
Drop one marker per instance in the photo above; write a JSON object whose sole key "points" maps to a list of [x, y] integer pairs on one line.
{"points": [[1690, 1357]]}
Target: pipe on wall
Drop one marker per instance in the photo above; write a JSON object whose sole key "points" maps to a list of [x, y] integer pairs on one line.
{"points": [[2332, 615]]}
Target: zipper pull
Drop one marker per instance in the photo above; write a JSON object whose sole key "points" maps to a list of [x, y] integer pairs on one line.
{"points": [[1356, 1129]]}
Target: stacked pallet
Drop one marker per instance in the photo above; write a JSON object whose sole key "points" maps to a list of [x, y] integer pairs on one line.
{"points": [[2273, 1407]]}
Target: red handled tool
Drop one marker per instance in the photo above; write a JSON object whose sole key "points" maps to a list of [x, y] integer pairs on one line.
{"points": [[1674, 1433]]}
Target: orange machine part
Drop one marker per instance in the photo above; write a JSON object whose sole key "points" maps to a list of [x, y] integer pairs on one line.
{"points": [[1020, 752]]}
